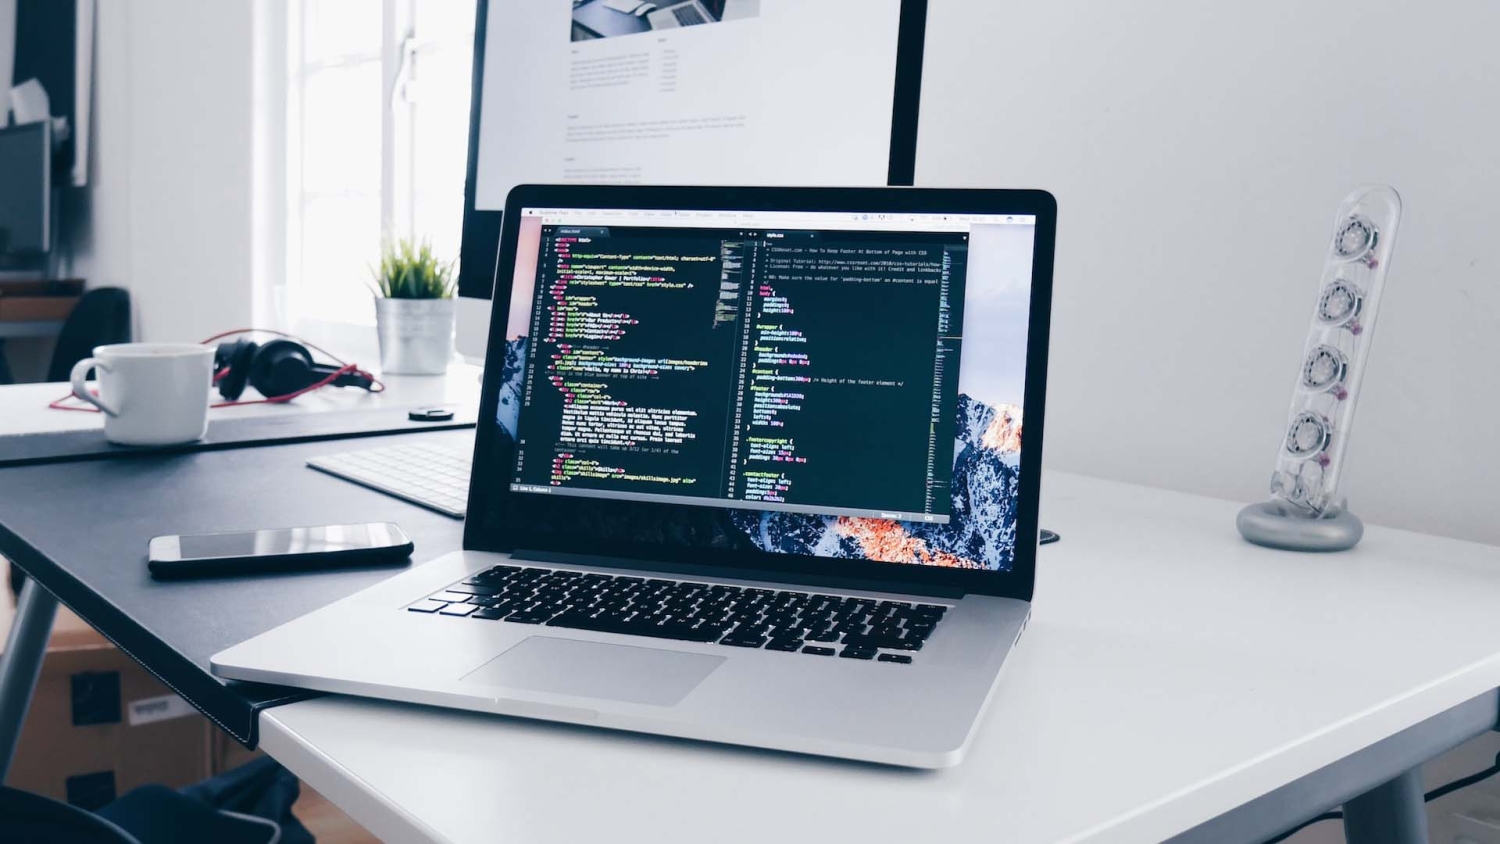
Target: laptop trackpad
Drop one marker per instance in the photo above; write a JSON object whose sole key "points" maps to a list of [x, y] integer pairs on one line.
{"points": [[594, 669]]}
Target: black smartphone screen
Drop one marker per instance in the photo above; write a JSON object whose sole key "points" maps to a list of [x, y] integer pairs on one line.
{"points": [[286, 541]]}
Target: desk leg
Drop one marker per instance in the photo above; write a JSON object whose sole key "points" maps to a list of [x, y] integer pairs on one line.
{"points": [[21, 663], [1390, 813]]}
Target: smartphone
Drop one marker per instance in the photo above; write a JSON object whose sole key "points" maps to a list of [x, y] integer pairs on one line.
{"points": [[277, 549]]}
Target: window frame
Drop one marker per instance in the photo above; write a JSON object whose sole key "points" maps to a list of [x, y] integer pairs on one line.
{"points": [[398, 56]]}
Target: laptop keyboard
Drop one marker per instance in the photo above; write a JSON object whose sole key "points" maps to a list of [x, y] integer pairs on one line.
{"points": [[689, 611], [688, 16]]}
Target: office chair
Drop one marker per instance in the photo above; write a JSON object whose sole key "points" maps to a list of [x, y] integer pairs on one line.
{"points": [[101, 317]]}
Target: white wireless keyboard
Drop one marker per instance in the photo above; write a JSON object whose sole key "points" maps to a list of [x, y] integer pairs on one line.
{"points": [[426, 475]]}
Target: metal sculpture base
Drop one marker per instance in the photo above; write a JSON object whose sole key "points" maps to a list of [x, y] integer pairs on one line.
{"points": [[1272, 524]]}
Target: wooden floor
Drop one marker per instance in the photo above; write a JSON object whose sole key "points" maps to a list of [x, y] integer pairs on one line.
{"points": [[327, 824]]}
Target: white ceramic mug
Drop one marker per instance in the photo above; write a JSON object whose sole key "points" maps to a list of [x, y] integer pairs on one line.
{"points": [[151, 393]]}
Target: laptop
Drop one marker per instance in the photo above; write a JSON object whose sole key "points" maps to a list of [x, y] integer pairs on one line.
{"points": [[694, 12], [750, 469]]}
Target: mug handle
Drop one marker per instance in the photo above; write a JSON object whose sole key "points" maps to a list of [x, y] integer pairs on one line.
{"points": [[81, 390]]}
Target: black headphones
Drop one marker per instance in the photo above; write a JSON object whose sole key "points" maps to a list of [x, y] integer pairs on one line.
{"points": [[278, 368]]}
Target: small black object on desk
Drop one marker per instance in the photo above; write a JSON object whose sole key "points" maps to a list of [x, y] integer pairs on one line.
{"points": [[429, 414]]}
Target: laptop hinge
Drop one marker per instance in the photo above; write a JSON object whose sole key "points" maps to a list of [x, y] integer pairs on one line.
{"points": [[790, 578]]}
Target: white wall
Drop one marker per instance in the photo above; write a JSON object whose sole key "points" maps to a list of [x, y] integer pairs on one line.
{"points": [[98, 218], [7, 56], [170, 214], [1198, 151]]}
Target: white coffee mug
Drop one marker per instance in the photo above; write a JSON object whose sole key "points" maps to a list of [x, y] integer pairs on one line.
{"points": [[151, 393]]}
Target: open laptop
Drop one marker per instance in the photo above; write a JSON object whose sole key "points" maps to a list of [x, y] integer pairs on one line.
{"points": [[689, 13], [694, 12], [750, 469]]}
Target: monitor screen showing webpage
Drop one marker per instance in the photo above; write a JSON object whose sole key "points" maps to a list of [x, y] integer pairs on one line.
{"points": [[715, 92], [836, 384]]}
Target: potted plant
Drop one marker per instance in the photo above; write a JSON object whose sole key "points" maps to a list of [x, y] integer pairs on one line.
{"points": [[413, 309]]}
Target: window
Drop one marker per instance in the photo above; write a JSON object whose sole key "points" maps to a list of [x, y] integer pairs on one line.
{"points": [[378, 111]]}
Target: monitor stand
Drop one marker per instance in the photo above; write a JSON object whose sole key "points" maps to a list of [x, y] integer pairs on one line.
{"points": [[472, 328]]}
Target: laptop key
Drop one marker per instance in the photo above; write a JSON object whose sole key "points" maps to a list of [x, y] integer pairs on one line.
{"points": [[857, 653], [489, 613], [817, 651], [870, 642], [784, 645], [473, 589], [458, 609], [427, 605], [579, 620], [524, 617], [898, 658]]}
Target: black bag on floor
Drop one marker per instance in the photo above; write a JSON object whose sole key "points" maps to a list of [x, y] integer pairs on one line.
{"points": [[27, 818], [251, 804]]}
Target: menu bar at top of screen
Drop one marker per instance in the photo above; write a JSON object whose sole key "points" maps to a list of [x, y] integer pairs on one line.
{"points": [[851, 220]]}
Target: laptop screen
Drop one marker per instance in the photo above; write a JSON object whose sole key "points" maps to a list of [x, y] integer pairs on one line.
{"points": [[835, 384]]}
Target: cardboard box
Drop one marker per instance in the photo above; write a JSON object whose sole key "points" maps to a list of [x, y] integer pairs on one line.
{"points": [[103, 759], [100, 724]]}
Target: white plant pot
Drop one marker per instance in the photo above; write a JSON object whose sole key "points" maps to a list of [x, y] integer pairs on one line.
{"points": [[416, 335]]}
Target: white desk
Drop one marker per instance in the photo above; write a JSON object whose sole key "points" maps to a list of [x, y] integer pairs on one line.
{"points": [[23, 407], [1171, 674]]}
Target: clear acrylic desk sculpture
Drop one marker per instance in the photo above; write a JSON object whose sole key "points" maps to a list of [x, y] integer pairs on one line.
{"points": [[1306, 512]]}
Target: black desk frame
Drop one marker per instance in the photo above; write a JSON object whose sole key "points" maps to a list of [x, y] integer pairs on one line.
{"points": [[21, 664]]}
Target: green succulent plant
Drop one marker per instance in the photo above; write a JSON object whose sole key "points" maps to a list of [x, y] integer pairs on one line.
{"points": [[410, 270]]}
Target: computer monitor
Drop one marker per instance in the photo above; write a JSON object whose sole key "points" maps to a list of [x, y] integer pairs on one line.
{"points": [[706, 92], [25, 190]]}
